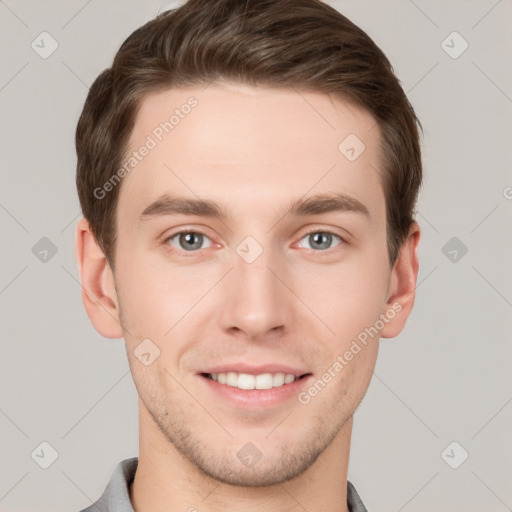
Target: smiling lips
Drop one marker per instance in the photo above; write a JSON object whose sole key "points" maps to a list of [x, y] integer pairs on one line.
{"points": [[248, 381], [252, 387], [252, 377]]}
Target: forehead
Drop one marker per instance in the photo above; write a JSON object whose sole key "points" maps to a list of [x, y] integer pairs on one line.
{"points": [[230, 142]]}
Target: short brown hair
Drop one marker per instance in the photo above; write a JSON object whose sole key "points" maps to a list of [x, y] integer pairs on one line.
{"points": [[303, 44]]}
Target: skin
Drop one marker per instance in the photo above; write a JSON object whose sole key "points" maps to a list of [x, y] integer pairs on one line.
{"points": [[254, 151]]}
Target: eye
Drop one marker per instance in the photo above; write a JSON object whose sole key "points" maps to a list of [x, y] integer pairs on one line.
{"points": [[188, 240], [320, 240]]}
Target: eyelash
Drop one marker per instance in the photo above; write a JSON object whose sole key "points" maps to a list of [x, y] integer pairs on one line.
{"points": [[194, 252]]}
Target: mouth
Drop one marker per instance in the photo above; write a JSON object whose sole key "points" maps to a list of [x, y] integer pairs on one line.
{"points": [[248, 381], [253, 386]]}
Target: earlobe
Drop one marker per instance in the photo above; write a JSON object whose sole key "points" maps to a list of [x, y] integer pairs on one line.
{"points": [[402, 289], [98, 291]]}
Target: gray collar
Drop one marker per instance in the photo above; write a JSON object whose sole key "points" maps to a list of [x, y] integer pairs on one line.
{"points": [[116, 497]]}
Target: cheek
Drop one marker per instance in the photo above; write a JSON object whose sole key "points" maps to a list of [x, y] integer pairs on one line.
{"points": [[144, 295], [157, 297], [348, 296]]}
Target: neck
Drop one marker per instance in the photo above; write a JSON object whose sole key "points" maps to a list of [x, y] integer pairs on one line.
{"points": [[165, 479]]}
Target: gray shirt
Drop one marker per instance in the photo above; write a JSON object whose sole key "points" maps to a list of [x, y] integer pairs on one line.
{"points": [[116, 497]]}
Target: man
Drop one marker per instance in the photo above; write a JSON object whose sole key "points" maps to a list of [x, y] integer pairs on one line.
{"points": [[247, 173]]}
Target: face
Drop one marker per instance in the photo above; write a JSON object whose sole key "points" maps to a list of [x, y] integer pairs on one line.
{"points": [[244, 282]]}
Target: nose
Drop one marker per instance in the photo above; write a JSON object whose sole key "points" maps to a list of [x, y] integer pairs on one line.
{"points": [[256, 300]]}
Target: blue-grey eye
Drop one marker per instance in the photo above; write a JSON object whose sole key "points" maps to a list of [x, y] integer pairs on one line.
{"points": [[320, 240], [189, 240]]}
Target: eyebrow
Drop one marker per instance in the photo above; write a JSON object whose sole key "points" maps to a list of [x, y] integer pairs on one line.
{"points": [[314, 205]]}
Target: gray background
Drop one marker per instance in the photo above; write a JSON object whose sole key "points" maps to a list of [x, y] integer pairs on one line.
{"points": [[446, 378]]}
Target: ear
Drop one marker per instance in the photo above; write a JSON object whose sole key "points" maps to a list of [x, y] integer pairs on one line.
{"points": [[402, 285], [98, 291]]}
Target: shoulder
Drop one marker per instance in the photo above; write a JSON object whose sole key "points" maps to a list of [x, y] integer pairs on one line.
{"points": [[116, 496]]}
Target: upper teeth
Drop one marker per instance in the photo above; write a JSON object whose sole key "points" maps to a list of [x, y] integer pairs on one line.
{"points": [[247, 381]]}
